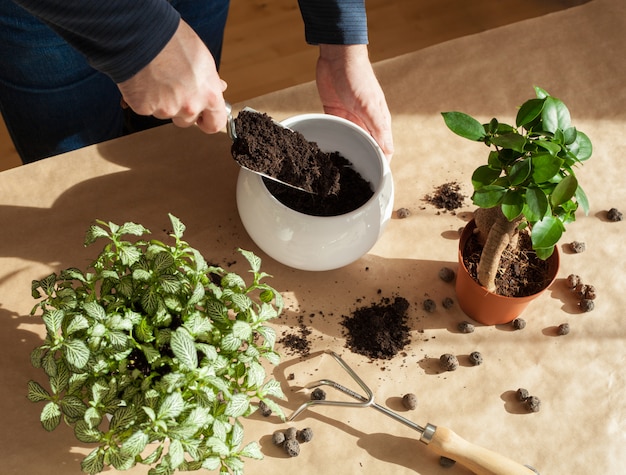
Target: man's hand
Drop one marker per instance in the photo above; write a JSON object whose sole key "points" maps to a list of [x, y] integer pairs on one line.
{"points": [[181, 83], [348, 88]]}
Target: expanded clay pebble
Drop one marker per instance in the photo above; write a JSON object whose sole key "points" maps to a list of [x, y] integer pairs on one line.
{"points": [[586, 305], [265, 410], [429, 305], [446, 462], [403, 213], [447, 302], [448, 362], [446, 274], [304, 435], [409, 401], [476, 358], [533, 404], [291, 433], [590, 293], [465, 327], [562, 329], [292, 447], [519, 323], [278, 438], [573, 280], [522, 394], [318, 394], [614, 215], [577, 247]]}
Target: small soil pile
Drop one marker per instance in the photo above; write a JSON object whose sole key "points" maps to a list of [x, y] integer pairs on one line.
{"points": [[264, 146], [446, 197], [380, 330], [521, 272]]}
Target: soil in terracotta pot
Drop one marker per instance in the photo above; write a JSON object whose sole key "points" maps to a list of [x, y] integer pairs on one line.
{"points": [[521, 272], [334, 187]]}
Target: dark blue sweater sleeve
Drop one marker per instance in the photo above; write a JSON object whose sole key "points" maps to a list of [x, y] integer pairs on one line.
{"points": [[118, 37], [334, 21]]}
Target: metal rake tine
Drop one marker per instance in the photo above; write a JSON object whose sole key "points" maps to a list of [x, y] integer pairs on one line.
{"points": [[363, 401]]}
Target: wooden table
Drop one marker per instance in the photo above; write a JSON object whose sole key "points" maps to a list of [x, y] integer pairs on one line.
{"points": [[576, 55]]}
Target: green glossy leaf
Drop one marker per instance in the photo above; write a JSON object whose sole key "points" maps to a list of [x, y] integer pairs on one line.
{"points": [[581, 199], [528, 112], [544, 253], [555, 115], [513, 204], [520, 171], [184, 349], [513, 141], [546, 233], [484, 175], [488, 196], [582, 147], [545, 167], [564, 191], [536, 204], [551, 147], [464, 125]]}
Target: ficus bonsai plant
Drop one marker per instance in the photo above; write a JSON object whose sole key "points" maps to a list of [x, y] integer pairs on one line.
{"points": [[154, 355], [529, 179]]}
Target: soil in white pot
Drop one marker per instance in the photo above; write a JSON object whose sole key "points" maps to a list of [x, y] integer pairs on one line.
{"points": [[334, 187]]}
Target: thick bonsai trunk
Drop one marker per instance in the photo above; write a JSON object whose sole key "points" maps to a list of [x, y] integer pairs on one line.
{"points": [[496, 232]]}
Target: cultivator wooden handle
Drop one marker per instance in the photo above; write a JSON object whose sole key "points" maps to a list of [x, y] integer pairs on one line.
{"points": [[446, 442]]}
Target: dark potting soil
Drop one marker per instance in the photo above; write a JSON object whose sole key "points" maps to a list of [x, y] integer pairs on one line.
{"points": [[521, 272], [378, 331], [267, 147], [446, 196]]}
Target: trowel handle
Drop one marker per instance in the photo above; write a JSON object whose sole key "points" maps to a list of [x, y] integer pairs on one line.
{"points": [[481, 461]]}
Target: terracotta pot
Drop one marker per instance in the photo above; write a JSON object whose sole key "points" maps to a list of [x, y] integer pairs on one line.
{"points": [[484, 306]]}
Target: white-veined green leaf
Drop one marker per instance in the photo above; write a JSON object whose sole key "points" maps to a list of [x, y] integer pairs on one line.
{"points": [[37, 393], [177, 453], [218, 446], [53, 320], [50, 416], [211, 463], [255, 375], [182, 344], [252, 450], [95, 232], [133, 229], [254, 260], [171, 407], [77, 323], [86, 434], [237, 405], [242, 330], [236, 437], [93, 463], [142, 275], [73, 406], [230, 342], [95, 311], [272, 388], [178, 227], [76, 353], [129, 254]]}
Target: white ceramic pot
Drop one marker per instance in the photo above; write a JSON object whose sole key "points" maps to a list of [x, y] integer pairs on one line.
{"points": [[319, 243]]}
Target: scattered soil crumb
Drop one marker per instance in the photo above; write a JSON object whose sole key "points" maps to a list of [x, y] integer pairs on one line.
{"points": [[446, 197], [297, 343], [614, 215], [379, 331], [318, 394]]}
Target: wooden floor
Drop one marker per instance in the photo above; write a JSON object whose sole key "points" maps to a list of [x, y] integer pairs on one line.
{"points": [[265, 51]]}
